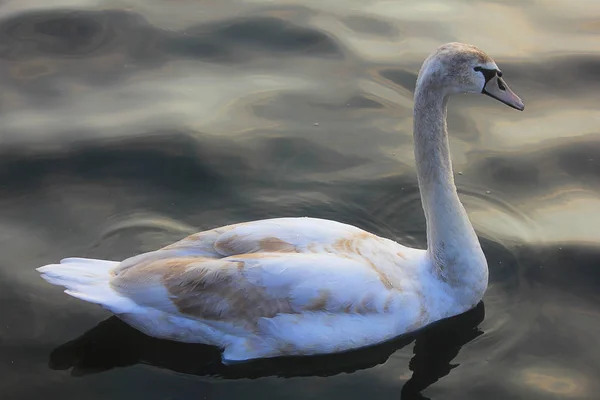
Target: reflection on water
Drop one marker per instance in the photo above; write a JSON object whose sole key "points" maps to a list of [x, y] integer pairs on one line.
{"points": [[112, 344], [128, 125]]}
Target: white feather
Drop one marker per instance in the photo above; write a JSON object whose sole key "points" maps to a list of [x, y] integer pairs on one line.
{"points": [[87, 279]]}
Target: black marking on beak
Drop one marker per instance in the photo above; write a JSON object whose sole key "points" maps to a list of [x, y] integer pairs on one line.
{"points": [[501, 84], [498, 89], [487, 73]]}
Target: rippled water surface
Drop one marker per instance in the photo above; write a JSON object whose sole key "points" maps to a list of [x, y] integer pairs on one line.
{"points": [[128, 124]]}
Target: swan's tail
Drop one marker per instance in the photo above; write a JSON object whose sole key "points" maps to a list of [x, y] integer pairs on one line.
{"points": [[87, 279]]}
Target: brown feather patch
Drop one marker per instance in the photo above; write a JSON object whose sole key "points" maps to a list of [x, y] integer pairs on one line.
{"points": [[205, 289], [353, 246], [320, 303]]}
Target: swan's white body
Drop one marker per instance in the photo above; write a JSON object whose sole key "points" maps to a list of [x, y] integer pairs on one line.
{"points": [[301, 286], [282, 286]]}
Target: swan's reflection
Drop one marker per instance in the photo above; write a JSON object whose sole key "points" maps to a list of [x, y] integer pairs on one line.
{"points": [[436, 347], [113, 344]]}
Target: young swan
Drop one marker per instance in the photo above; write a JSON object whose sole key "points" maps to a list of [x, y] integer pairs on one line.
{"points": [[301, 286]]}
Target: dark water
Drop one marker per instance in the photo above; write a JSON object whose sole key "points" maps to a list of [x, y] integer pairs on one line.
{"points": [[127, 125]]}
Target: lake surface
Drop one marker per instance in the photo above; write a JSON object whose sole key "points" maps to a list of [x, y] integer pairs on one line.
{"points": [[126, 125]]}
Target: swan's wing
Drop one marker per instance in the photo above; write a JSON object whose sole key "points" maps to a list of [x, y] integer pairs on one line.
{"points": [[287, 235], [260, 269], [242, 289], [273, 235]]}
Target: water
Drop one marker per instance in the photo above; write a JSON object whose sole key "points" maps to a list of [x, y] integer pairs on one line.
{"points": [[126, 125]]}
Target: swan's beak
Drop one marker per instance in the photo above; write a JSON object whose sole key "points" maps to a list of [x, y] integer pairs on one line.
{"points": [[499, 90]]}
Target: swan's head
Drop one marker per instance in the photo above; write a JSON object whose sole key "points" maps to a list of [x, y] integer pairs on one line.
{"points": [[463, 68]]}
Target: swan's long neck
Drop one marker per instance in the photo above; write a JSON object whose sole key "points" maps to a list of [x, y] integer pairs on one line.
{"points": [[453, 247]]}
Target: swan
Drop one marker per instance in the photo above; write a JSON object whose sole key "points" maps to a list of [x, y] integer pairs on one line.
{"points": [[307, 286]]}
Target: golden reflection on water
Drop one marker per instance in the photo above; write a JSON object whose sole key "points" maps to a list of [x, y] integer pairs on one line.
{"points": [[554, 381], [223, 101]]}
